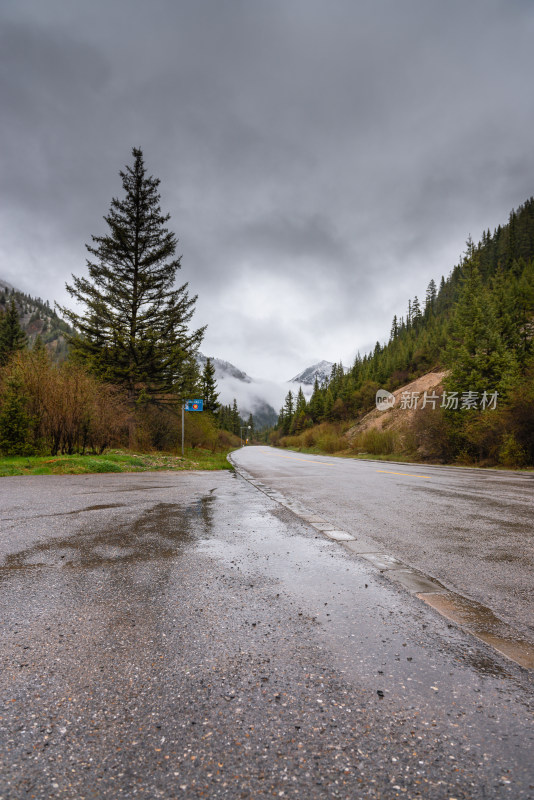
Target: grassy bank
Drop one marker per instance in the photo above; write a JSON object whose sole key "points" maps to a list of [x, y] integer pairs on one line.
{"points": [[113, 461], [405, 445]]}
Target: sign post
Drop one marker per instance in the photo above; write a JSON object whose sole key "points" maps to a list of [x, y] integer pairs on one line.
{"points": [[183, 419], [244, 428], [190, 405]]}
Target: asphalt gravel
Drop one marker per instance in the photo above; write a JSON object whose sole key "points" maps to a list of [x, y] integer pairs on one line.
{"points": [[182, 635]]}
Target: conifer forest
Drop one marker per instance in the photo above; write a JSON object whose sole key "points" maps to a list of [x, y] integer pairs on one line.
{"points": [[477, 326]]}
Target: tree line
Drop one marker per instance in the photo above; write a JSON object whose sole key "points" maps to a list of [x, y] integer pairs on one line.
{"points": [[479, 326]]}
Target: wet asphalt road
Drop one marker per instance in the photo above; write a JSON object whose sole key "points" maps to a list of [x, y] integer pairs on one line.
{"points": [[471, 529], [182, 635]]}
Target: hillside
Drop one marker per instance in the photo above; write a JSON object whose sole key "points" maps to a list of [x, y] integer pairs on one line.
{"points": [[477, 328], [396, 417], [37, 319]]}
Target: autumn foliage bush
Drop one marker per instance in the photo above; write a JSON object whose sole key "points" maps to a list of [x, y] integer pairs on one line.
{"points": [[59, 409]]}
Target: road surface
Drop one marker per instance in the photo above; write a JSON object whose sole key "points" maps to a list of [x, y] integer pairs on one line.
{"points": [[471, 529], [169, 635]]}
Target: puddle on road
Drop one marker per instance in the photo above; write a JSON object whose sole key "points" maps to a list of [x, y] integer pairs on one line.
{"points": [[482, 623], [160, 532]]}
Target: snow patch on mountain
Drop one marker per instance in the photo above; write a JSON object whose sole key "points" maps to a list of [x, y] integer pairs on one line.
{"points": [[263, 399], [254, 396], [322, 371]]}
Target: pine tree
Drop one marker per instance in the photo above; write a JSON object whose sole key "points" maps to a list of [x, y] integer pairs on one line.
{"points": [[416, 312], [409, 315], [209, 387], [15, 421], [431, 294], [235, 419], [38, 347], [477, 355], [223, 418], [134, 329], [12, 337], [288, 412], [299, 417]]}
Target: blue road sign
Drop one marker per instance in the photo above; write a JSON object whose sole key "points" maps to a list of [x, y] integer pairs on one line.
{"points": [[194, 405]]}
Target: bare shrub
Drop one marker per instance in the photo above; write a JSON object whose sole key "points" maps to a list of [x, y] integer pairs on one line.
{"points": [[70, 409], [308, 438]]}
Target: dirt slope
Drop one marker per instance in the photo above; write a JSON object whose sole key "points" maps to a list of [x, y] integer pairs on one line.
{"points": [[397, 417]]}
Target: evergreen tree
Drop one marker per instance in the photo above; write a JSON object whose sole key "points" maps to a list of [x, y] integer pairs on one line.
{"points": [[12, 337], [299, 417], [477, 355], [288, 412], [38, 346], [409, 315], [316, 403], [209, 387], [416, 312], [134, 329], [431, 294], [328, 405], [223, 418], [15, 421], [235, 419]]}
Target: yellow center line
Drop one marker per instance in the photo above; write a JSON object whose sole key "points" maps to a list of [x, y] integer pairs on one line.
{"points": [[309, 461], [407, 474]]}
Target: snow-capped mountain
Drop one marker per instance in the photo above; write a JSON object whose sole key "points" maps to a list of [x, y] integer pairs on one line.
{"points": [[261, 398], [321, 371], [223, 368]]}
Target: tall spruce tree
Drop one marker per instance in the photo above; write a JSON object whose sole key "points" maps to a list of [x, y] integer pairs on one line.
{"points": [[235, 418], [287, 415], [299, 417], [134, 329]]}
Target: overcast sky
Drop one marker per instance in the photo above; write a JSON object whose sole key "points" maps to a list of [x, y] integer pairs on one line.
{"points": [[321, 160]]}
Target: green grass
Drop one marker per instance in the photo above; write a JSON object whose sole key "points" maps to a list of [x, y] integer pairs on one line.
{"points": [[112, 461]]}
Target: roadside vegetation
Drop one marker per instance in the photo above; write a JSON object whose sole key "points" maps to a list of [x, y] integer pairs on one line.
{"points": [[477, 327], [389, 445]]}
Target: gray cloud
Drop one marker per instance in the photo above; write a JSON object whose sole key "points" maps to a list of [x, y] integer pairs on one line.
{"points": [[321, 162]]}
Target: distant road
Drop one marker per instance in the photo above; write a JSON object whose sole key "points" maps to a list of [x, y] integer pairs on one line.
{"points": [[471, 529]]}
